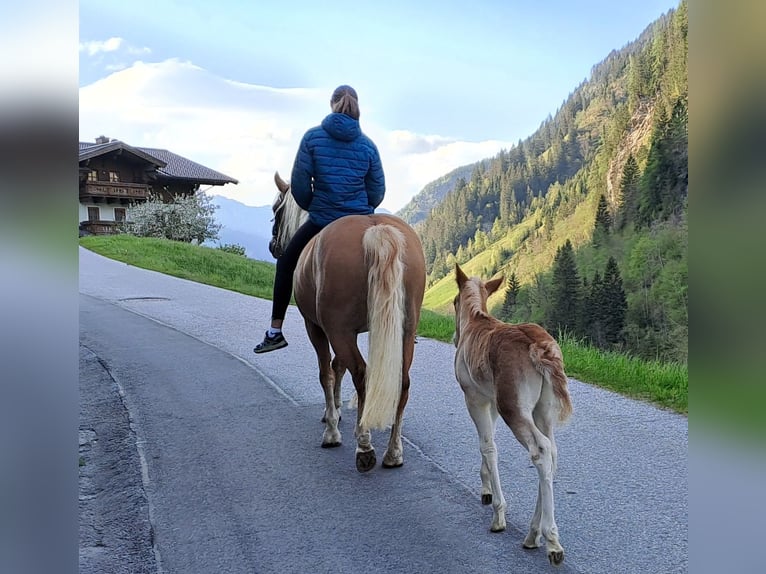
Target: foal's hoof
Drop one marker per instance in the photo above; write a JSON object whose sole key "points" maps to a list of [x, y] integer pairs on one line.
{"points": [[394, 464], [331, 444], [365, 461], [486, 499], [556, 557]]}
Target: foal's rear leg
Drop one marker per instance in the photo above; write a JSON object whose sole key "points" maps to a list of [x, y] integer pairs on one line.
{"points": [[541, 451], [484, 416], [543, 416], [331, 436]]}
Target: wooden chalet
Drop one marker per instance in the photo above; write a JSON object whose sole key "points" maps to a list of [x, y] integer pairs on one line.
{"points": [[114, 175]]}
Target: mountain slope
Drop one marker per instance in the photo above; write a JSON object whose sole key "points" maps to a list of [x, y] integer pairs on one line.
{"points": [[622, 134]]}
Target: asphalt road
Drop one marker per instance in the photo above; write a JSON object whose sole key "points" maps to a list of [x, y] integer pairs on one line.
{"points": [[198, 456]]}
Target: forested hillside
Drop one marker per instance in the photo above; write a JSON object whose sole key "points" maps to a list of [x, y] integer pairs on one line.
{"points": [[587, 216], [433, 194]]}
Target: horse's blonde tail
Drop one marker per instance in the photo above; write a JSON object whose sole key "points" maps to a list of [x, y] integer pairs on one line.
{"points": [[549, 362], [383, 248]]}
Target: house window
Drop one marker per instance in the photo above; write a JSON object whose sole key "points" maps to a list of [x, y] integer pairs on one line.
{"points": [[114, 177], [119, 214], [93, 175], [93, 214]]}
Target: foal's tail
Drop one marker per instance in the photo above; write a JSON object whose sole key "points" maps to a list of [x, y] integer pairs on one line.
{"points": [[548, 360], [384, 248]]}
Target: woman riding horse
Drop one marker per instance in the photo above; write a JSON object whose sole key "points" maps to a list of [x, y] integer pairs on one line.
{"points": [[337, 172]]}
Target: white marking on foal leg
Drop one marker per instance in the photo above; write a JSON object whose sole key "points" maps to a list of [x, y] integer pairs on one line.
{"points": [[533, 536], [542, 457], [484, 420]]}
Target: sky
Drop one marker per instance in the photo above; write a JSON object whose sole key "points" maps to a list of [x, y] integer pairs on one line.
{"points": [[234, 85]]}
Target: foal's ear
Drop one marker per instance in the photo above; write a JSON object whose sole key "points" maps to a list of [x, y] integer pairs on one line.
{"points": [[282, 185], [491, 286], [460, 277]]}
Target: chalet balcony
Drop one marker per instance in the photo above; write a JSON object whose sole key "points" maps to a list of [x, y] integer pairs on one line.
{"points": [[98, 227], [105, 191]]}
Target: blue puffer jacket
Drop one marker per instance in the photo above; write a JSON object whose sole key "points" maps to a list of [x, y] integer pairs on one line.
{"points": [[337, 171]]}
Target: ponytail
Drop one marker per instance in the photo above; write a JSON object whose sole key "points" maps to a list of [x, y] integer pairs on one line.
{"points": [[345, 101]]}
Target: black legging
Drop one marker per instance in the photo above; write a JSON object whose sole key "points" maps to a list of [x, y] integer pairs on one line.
{"points": [[283, 281]]}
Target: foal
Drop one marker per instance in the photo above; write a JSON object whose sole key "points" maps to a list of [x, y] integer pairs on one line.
{"points": [[515, 371]]}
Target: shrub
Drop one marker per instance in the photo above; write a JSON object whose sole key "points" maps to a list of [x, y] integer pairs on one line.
{"points": [[186, 218], [234, 248]]}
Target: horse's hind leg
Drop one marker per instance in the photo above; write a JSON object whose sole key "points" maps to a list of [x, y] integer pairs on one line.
{"points": [[541, 452], [394, 456], [339, 370], [543, 416], [484, 416], [331, 436], [348, 354]]}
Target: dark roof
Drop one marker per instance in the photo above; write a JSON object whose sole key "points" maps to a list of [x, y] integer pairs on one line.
{"points": [[169, 164], [88, 151], [182, 168]]}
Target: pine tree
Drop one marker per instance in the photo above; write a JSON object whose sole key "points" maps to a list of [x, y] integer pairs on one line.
{"points": [[511, 296], [593, 311], [614, 304], [628, 193], [603, 225], [565, 297]]}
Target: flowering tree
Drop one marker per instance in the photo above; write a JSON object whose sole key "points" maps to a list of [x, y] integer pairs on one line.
{"points": [[187, 218]]}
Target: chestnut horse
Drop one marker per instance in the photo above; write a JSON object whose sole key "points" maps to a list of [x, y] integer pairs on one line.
{"points": [[516, 371], [361, 273]]}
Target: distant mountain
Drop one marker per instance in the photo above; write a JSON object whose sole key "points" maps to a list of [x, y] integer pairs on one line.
{"points": [[244, 225]]}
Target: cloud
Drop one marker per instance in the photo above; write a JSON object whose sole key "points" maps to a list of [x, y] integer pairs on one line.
{"points": [[94, 47], [249, 131]]}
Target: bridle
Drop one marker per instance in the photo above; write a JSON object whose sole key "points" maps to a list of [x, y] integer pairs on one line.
{"points": [[275, 246]]}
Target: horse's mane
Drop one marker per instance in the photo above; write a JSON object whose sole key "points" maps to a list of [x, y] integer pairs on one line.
{"points": [[473, 300], [292, 216]]}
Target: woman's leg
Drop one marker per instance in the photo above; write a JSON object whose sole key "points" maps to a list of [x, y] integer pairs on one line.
{"points": [[283, 287], [283, 280]]}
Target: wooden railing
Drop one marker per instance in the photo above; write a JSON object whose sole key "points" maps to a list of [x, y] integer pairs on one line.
{"points": [[118, 189], [99, 227]]}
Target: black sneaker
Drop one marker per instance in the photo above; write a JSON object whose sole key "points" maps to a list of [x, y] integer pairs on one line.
{"points": [[270, 343]]}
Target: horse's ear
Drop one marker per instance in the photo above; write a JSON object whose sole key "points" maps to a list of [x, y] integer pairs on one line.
{"points": [[492, 285], [460, 277], [282, 185]]}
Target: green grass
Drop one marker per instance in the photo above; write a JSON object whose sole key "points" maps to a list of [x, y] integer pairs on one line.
{"points": [[201, 264], [436, 326], [665, 385]]}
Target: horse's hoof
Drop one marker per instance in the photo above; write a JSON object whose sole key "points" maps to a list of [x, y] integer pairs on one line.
{"points": [[486, 499], [395, 464], [556, 557], [330, 444], [365, 461], [324, 419]]}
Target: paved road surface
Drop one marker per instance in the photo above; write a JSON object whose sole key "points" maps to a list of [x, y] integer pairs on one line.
{"points": [[220, 468]]}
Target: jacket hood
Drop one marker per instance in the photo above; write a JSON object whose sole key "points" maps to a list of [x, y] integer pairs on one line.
{"points": [[341, 127]]}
